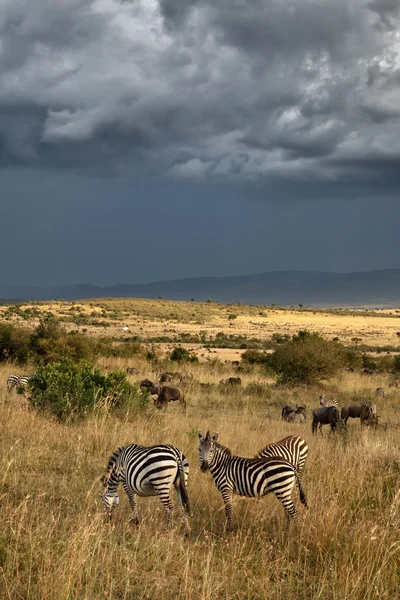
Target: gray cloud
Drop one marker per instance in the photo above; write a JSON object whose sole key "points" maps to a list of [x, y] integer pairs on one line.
{"points": [[262, 90]]}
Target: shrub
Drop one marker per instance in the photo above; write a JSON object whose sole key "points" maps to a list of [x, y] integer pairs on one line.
{"points": [[67, 389], [232, 317], [180, 354], [307, 358], [255, 357], [14, 343]]}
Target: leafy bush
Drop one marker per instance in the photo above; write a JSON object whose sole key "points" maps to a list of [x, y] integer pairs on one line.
{"points": [[255, 357], [14, 343], [180, 354], [307, 358], [68, 389]]}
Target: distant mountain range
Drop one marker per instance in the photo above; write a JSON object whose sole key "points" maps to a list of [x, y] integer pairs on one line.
{"points": [[366, 288]]}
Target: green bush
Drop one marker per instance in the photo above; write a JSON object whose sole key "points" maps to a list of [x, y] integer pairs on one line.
{"points": [[14, 343], [307, 358], [69, 389], [255, 357], [180, 354]]}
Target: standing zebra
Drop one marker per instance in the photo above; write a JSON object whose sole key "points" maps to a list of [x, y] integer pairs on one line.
{"points": [[324, 402], [17, 381], [380, 391], [147, 471], [293, 449], [251, 477]]}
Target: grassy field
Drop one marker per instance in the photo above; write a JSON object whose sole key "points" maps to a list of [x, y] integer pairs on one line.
{"points": [[55, 543]]}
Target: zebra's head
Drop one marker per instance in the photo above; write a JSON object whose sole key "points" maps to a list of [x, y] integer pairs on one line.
{"points": [[206, 448]]}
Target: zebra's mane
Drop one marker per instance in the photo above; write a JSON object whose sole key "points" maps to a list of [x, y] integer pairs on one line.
{"points": [[224, 449]]}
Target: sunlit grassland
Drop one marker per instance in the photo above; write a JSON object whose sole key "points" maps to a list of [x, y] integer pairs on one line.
{"points": [[152, 318], [54, 542]]}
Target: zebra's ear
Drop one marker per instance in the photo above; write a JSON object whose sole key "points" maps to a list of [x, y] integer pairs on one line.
{"points": [[200, 434], [214, 436]]}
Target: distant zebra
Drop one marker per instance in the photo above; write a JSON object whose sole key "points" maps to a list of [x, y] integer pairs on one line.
{"points": [[293, 449], [372, 409], [147, 471], [324, 402], [380, 391], [17, 381], [251, 477]]}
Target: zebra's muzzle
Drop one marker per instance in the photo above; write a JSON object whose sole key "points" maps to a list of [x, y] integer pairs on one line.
{"points": [[204, 467]]}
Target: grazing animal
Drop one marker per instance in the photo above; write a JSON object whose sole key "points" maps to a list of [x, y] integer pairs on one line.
{"points": [[147, 471], [380, 391], [17, 381], [251, 477], [394, 384], [324, 402], [293, 449], [296, 417], [286, 411], [153, 388], [231, 381], [176, 375], [169, 394], [132, 371], [326, 415], [356, 411]]}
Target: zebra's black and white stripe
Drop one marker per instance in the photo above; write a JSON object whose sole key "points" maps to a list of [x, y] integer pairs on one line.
{"points": [[324, 402], [251, 477], [147, 471], [293, 449], [17, 381]]}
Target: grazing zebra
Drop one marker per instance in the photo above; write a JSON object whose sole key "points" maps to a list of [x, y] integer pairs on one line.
{"points": [[293, 449], [147, 471], [251, 477], [324, 402], [380, 391], [372, 409], [17, 381]]}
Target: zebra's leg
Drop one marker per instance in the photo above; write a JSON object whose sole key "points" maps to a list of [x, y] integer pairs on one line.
{"points": [[185, 515], [227, 498], [166, 501], [133, 502], [288, 506]]}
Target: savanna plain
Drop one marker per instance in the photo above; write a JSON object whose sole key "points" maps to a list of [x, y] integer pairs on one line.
{"points": [[55, 542]]}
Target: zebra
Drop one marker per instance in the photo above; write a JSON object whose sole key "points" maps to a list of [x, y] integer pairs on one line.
{"points": [[324, 402], [293, 449], [380, 391], [147, 471], [372, 409], [251, 477], [17, 381]]}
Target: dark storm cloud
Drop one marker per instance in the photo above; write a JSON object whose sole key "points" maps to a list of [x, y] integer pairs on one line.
{"points": [[230, 90]]}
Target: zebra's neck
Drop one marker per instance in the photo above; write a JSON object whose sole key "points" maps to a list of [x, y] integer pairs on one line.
{"points": [[222, 456]]}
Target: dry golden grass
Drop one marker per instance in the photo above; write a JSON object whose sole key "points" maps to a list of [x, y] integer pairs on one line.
{"points": [[154, 318], [55, 544]]}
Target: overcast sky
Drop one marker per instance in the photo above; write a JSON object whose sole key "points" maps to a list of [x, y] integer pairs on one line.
{"points": [[156, 139]]}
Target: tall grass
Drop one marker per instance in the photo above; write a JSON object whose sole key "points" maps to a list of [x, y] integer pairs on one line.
{"points": [[55, 544]]}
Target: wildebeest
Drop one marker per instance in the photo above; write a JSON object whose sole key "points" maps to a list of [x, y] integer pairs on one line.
{"points": [[231, 381], [132, 370], [364, 411], [175, 376], [153, 388], [165, 393], [294, 416], [326, 415]]}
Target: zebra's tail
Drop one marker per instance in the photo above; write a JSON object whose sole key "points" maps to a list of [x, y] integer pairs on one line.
{"points": [[182, 485], [110, 467], [303, 498]]}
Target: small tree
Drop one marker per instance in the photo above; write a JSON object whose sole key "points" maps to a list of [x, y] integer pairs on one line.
{"points": [[307, 358], [180, 354]]}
